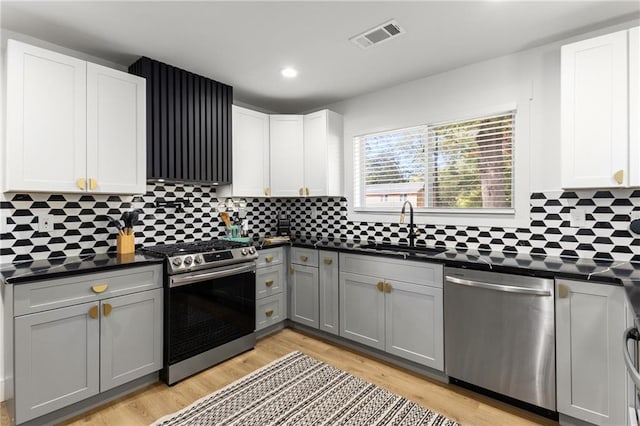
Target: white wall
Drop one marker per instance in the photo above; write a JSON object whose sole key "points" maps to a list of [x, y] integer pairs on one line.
{"points": [[464, 92]]}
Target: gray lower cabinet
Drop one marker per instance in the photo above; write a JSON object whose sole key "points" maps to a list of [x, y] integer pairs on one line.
{"points": [[329, 298], [398, 310], [69, 353], [591, 377], [304, 295], [270, 287]]}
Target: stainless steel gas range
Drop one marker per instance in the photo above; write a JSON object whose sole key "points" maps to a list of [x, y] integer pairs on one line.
{"points": [[209, 304]]}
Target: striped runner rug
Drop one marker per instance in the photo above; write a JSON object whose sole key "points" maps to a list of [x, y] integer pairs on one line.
{"points": [[299, 390]]}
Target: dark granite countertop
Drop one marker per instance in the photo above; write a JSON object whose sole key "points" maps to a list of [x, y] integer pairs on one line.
{"points": [[23, 272]]}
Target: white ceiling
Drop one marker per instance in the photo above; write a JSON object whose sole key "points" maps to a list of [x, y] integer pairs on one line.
{"points": [[246, 44]]}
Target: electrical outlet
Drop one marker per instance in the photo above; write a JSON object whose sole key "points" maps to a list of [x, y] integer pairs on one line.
{"points": [[45, 223], [314, 212], [578, 218]]}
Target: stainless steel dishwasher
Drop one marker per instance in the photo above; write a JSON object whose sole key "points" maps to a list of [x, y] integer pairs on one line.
{"points": [[500, 334]]}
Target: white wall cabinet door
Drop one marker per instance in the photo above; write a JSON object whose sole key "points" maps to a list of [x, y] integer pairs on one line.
{"points": [[594, 112], [414, 323], [362, 309], [116, 131], [56, 359], [286, 154], [591, 376], [130, 337], [304, 295], [46, 120], [329, 292], [323, 154], [634, 106], [250, 154]]}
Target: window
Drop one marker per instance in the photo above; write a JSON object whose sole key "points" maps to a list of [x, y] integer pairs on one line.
{"points": [[455, 166]]}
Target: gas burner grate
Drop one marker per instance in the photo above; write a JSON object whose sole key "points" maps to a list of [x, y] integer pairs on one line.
{"points": [[168, 250]]}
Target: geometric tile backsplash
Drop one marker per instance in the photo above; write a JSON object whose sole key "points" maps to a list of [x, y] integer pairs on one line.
{"points": [[80, 226]]}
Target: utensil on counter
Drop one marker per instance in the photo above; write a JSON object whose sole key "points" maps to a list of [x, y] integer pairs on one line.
{"points": [[225, 218]]}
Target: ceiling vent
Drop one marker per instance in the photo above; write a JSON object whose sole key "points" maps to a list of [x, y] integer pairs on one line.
{"points": [[376, 35]]}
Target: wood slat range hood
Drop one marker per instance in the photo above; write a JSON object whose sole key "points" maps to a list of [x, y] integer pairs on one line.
{"points": [[188, 125]]}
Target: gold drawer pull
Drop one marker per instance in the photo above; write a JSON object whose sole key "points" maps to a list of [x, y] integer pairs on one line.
{"points": [[93, 184], [93, 312], [268, 259], [269, 313], [306, 190], [301, 191], [387, 288], [380, 286], [267, 191], [619, 176], [82, 183], [268, 283], [291, 269], [563, 291], [304, 258], [328, 261], [106, 309], [99, 288]]}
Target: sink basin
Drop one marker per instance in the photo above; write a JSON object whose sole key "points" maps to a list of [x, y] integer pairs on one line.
{"points": [[404, 248]]}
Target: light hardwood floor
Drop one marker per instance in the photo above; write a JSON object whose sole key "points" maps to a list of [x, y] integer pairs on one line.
{"points": [[146, 405]]}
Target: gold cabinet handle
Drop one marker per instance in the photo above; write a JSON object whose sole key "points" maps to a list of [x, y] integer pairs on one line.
{"points": [[93, 184], [328, 261], [291, 269], [268, 259], [387, 288], [268, 283], [106, 309], [301, 191], [304, 258], [563, 291], [269, 313], [267, 191], [619, 176], [99, 288], [82, 183], [93, 312], [380, 286], [306, 190]]}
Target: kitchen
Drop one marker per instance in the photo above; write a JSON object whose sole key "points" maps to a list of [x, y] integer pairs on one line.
{"points": [[540, 223]]}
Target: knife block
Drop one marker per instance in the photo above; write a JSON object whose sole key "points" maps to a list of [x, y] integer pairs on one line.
{"points": [[126, 244]]}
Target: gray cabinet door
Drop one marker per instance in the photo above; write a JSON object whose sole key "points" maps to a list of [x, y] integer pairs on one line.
{"points": [[131, 337], [414, 323], [591, 377], [304, 295], [362, 309], [56, 359], [329, 296]]}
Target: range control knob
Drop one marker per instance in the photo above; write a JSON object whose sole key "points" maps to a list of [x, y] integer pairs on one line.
{"points": [[188, 260], [177, 261], [243, 251], [252, 250], [198, 260]]}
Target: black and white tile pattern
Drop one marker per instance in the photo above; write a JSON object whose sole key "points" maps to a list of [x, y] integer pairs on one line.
{"points": [[80, 228]]}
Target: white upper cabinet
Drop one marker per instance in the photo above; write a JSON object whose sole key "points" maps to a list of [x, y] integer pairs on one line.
{"points": [[286, 152], [323, 153], [72, 126], [596, 112], [250, 130]]}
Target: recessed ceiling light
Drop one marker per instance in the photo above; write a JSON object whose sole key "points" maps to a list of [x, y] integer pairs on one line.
{"points": [[289, 72]]}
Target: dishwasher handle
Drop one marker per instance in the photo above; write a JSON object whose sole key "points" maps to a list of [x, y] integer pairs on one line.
{"points": [[630, 333], [499, 287]]}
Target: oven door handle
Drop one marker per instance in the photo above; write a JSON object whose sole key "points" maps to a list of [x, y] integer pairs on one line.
{"points": [[630, 333], [179, 280]]}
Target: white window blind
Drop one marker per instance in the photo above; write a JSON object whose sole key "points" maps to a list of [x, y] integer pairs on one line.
{"points": [[457, 165]]}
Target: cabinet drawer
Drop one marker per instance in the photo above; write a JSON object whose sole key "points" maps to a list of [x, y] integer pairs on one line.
{"points": [[269, 310], [304, 256], [269, 281], [270, 257], [55, 293], [409, 271]]}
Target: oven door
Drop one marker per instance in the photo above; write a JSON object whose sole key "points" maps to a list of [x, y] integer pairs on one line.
{"points": [[630, 346], [209, 308]]}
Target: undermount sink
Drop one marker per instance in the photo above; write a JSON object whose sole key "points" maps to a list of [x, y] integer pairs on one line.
{"points": [[404, 248]]}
